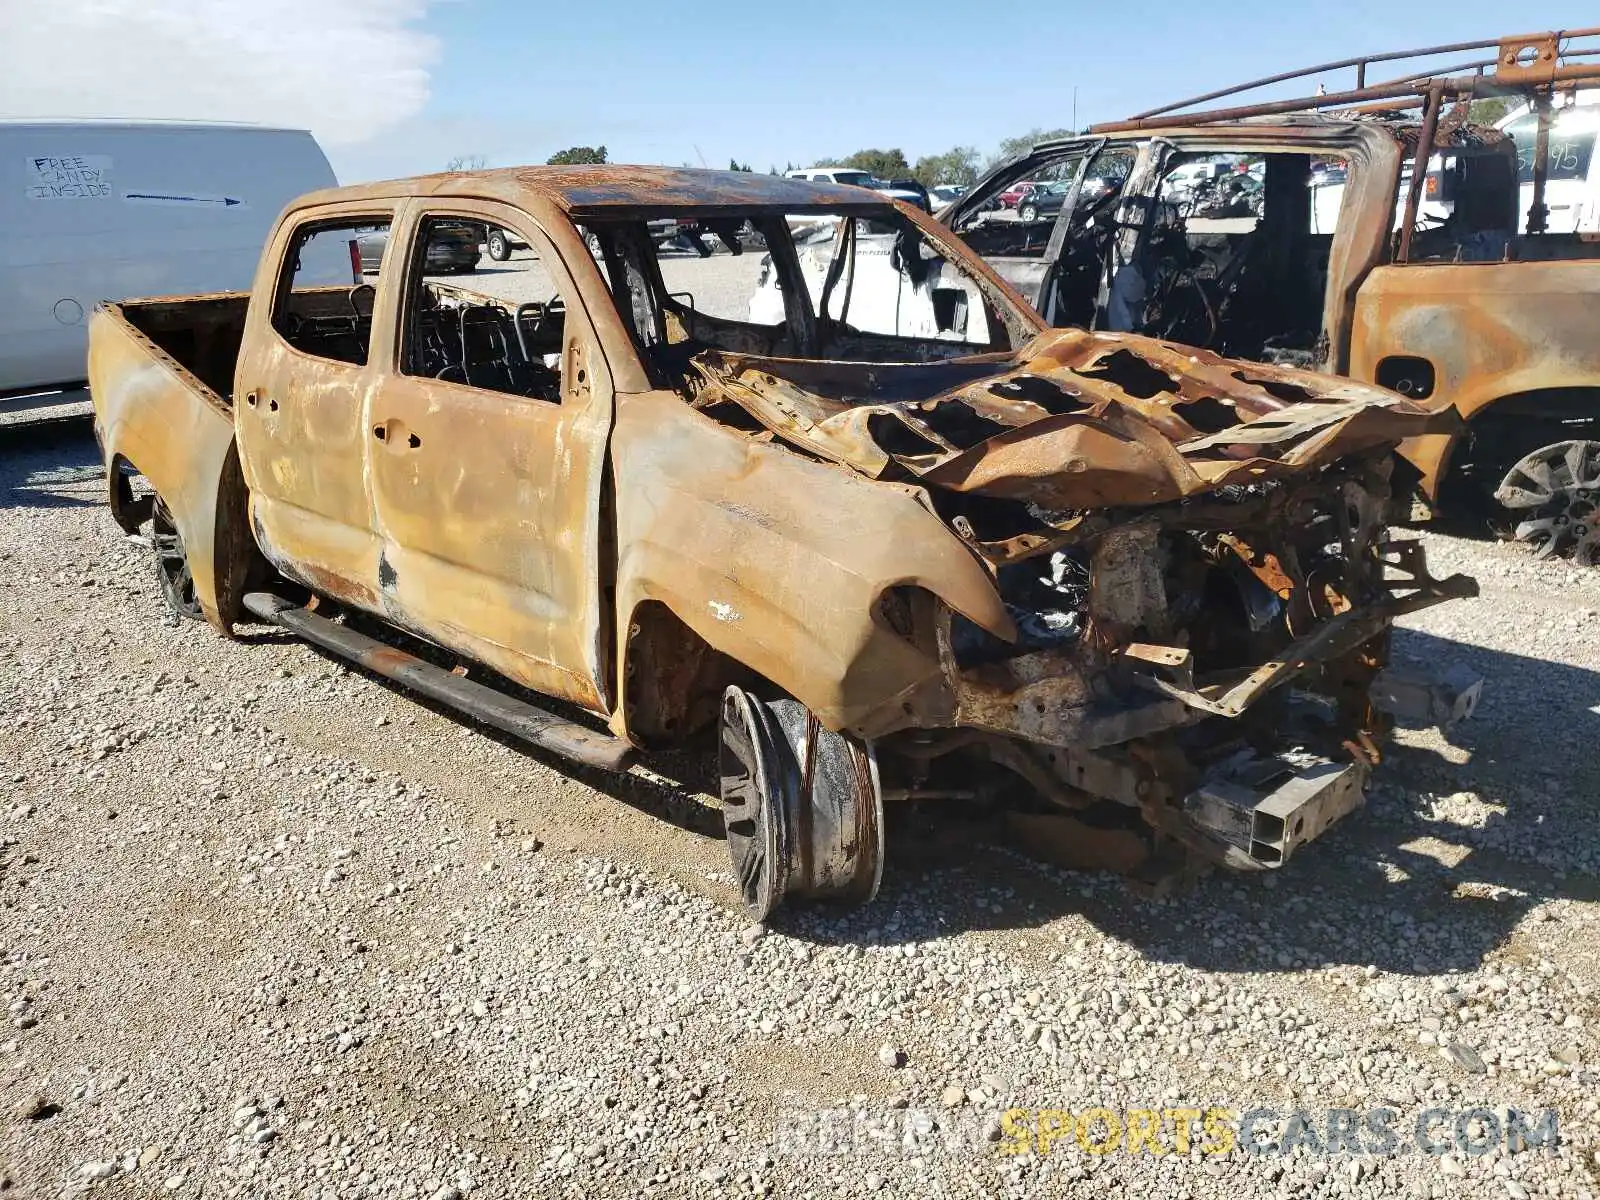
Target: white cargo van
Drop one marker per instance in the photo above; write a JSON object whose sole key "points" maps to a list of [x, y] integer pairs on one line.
{"points": [[1572, 189], [105, 210]]}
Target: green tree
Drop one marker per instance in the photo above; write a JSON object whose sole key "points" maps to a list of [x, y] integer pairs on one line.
{"points": [[735, 165], [958, 165], [467, 162], [1012, 146], [885, 164], [1488, 110], [577, 154]]}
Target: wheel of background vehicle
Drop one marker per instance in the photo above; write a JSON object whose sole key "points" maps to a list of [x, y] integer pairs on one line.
{"points": [[591, 241], [1557, 491], [498, 245], [801, 805], [1029, 213], [172, 565]]}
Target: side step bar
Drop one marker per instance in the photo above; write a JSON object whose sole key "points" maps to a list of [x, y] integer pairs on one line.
{"points": [[532, 725]]}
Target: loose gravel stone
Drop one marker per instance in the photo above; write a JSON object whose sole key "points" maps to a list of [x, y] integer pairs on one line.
{"points": [[336, 944]]}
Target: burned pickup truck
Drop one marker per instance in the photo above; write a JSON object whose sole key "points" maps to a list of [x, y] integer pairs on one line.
{"points": [[1302, 231], [882, 551]]}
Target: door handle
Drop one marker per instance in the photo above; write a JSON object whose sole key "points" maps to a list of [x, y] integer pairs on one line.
{"points": [[393, 433]]}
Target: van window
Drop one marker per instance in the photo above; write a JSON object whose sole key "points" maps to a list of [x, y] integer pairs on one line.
{"points": [[327, 288], [492, 324], [1572, 134]]}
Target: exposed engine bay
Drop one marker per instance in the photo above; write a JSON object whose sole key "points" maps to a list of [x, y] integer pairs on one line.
{"points": [[1192, 553]]}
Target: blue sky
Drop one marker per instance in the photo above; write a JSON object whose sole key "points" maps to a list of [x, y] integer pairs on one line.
{"points": [[775, 83], [397, 87]]}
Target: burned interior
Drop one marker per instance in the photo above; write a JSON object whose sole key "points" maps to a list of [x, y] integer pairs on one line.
{"points": [[865, 284], [1222, 247]]}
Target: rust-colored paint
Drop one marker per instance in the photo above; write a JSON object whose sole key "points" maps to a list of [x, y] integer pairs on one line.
{"points": [[791, 519], [1491, 330], [152, 412]]}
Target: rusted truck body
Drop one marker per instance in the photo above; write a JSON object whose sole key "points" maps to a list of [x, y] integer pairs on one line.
{"points": [[1338, 256], [1142, 579]]}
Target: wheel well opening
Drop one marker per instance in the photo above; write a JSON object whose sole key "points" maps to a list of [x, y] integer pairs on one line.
{"points": [[130, 510], [672, 678], [1505, 431]]}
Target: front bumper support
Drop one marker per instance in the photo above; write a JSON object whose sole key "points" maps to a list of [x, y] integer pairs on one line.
{"points": [[1261, 810]]}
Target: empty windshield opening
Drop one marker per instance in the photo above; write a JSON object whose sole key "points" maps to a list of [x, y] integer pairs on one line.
{"points": [[868, 287]]}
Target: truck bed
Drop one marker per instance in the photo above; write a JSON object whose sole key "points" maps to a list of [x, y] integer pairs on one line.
{"points": [[161, 377], [201, 333]]}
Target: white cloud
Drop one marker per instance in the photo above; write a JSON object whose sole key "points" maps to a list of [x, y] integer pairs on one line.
{"points": [[346, 69]]}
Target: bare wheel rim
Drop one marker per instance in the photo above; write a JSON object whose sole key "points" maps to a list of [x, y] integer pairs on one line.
{"points": [[172, 565], [1556, 489], [801, 805], [751, 812]]}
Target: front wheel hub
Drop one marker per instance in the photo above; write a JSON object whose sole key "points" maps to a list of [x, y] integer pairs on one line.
{"points": [[1554, 490], [801, 805]]}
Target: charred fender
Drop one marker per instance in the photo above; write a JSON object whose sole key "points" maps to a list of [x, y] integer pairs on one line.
{"points": [[778, 562]]}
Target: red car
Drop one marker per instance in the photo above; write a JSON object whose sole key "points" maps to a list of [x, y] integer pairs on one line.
{"points": [[1014, 194]]}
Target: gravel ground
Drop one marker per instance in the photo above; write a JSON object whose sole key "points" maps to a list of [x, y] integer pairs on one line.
{"points": [[270, 927]]}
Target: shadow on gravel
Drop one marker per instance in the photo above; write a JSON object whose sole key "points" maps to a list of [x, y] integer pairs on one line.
{"points": [[669, 788], [1458, 842], [38, 462]]}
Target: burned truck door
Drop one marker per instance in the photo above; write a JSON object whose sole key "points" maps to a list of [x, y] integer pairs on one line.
{"points": [[487, 446], [311, 352], [1023, 240]]}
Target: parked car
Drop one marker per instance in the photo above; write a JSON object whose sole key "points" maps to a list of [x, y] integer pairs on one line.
{"points": [[454, 248], [1013, 196], [1572, 188], [499, 242], [902, 544], [1044, 200], [946, 193], [1328, 174], [909, 190]]}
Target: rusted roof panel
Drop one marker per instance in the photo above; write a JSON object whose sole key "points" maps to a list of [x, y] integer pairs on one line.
{"points": [[613, 188]]}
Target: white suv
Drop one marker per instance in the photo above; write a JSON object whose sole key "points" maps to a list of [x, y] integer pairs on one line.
{"points": [[849, 175]]}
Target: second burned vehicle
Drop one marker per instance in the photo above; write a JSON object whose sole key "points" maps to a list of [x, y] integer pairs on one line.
{"points": [[1298, 232], [883, 548]]}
